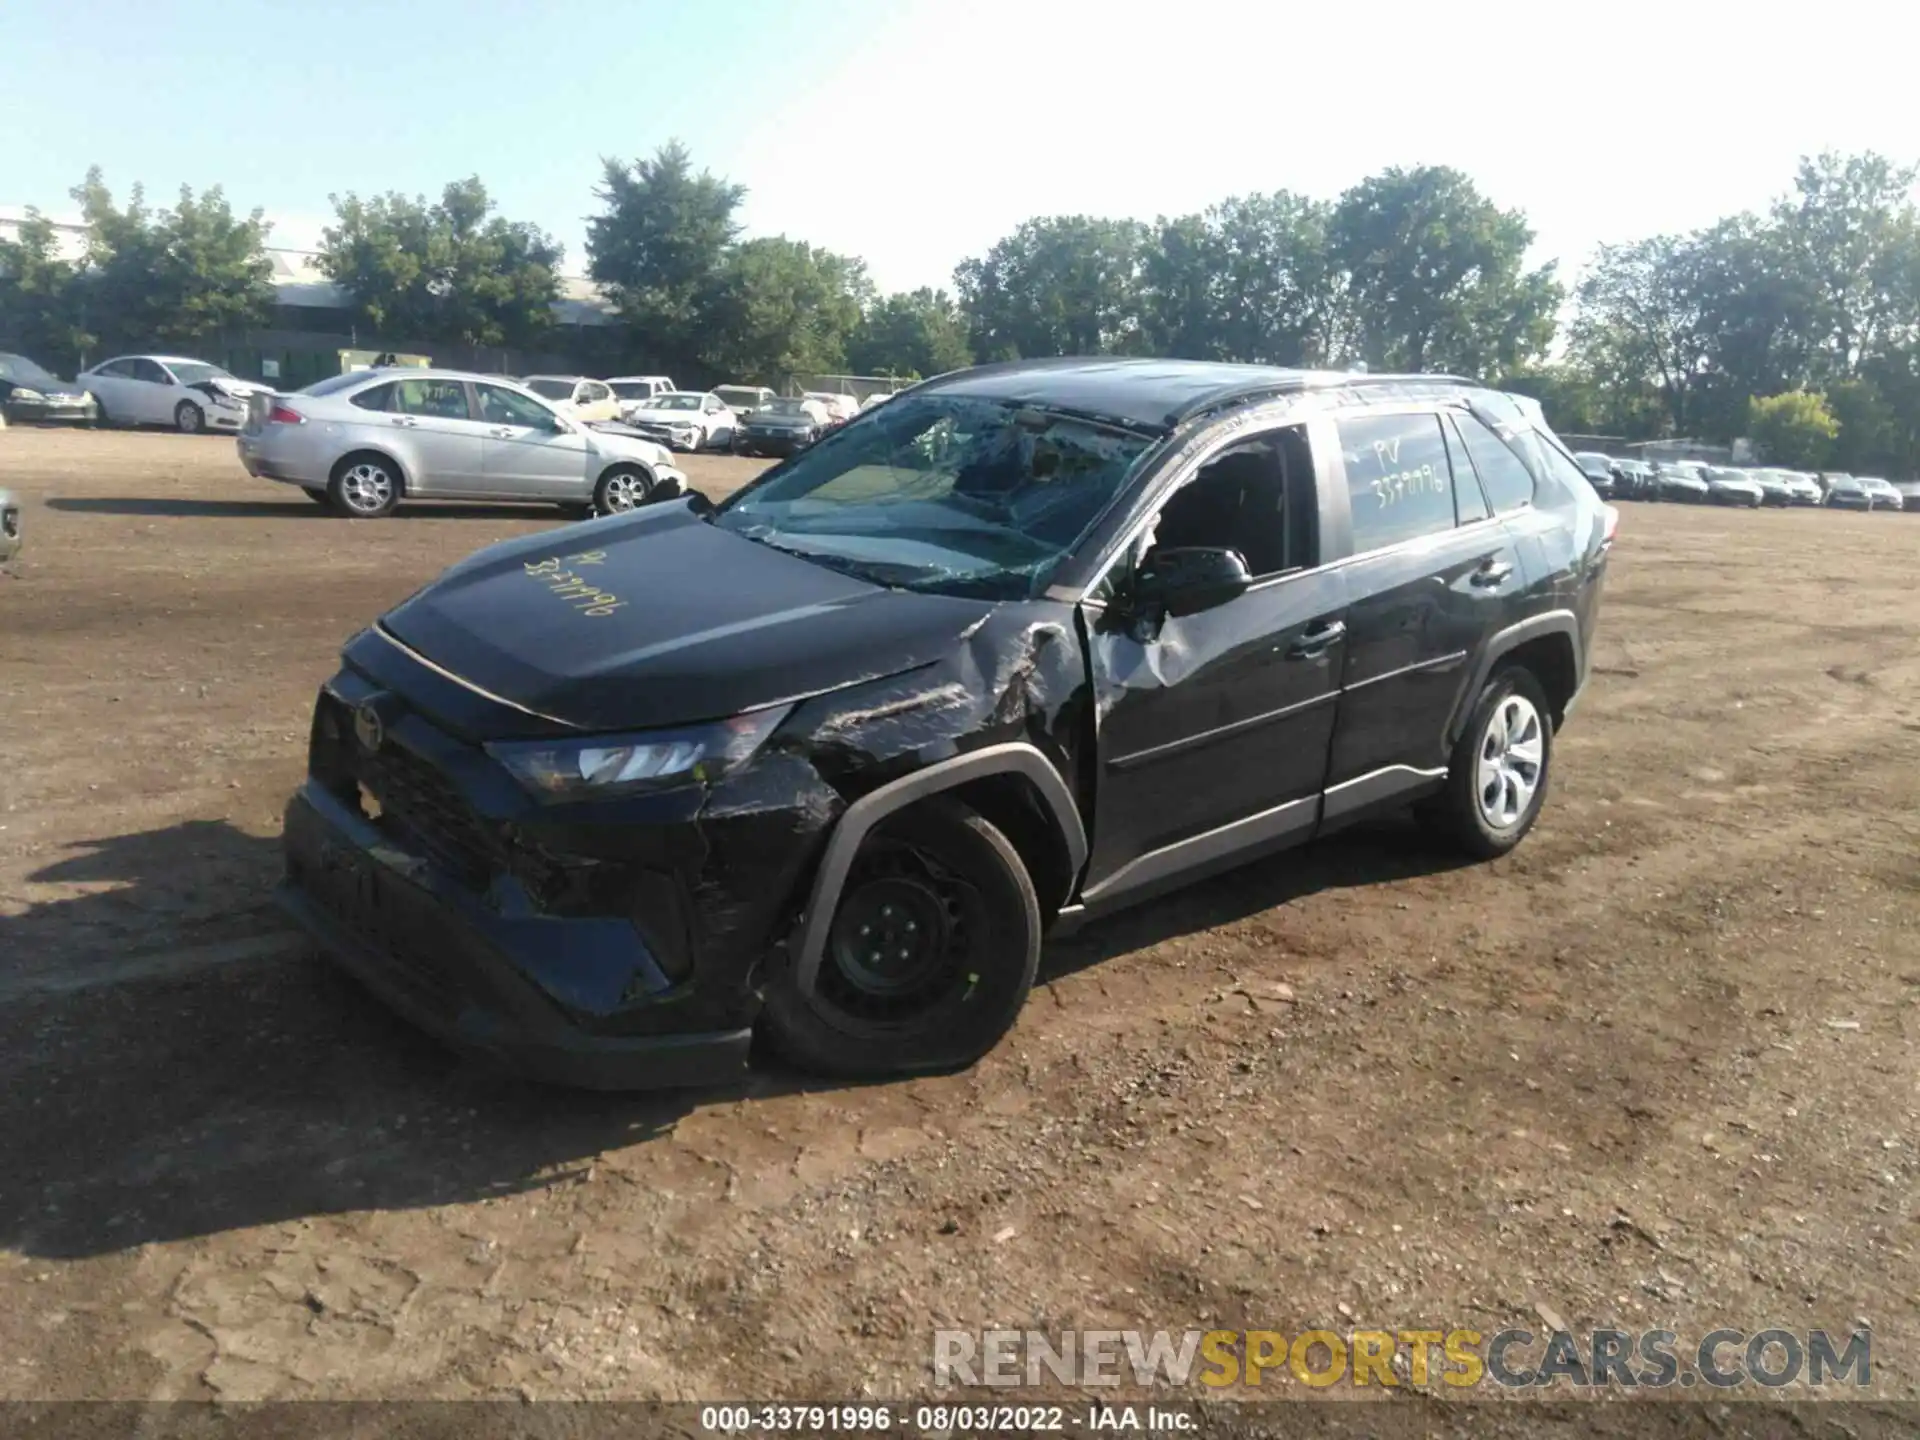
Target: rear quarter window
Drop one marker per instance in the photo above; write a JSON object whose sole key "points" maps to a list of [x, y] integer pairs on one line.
{"points": [[378, 397], [1508, 482]]}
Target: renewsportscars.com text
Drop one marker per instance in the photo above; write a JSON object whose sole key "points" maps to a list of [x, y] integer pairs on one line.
{"points": [[1460, 1358]]}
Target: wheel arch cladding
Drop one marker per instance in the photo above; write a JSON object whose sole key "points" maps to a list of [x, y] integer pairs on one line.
{"points": [[998, 724], [1547, 645]]}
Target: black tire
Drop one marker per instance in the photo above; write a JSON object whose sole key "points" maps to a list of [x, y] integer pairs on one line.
{"points": [[1456, 814], [574, 510], [189, 418], [318, 496], [937, 864], [621, 480], [100, 419], [347, 492]]}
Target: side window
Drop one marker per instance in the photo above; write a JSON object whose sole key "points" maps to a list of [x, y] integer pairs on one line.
{"points": [[1558, 470], [1469, 501], [1398, 480], [118, 369], [380, 397], [442, 399], [1508, 483], [499, 406], [151, 373], [1256, 497], [597, 393]]}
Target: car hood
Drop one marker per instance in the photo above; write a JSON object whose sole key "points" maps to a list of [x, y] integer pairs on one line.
{"points": [[659, 618], [761, 420], [617, 444], [652, 416], [53, 386], [1734, 484]]}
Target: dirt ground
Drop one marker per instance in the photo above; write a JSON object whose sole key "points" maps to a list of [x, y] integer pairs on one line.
{"points": [[1658, 1067]]}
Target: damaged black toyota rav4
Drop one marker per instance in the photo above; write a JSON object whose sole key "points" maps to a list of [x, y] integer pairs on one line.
{"points": [[1025, 643]]}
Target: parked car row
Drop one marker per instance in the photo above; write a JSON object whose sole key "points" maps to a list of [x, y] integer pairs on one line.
{"points": [[1693, 482]]}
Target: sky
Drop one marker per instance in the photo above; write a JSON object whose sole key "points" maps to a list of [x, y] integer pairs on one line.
{"points": [[914, 133]]}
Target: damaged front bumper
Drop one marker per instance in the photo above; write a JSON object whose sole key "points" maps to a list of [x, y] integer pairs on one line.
{"points": [[616, 945]]}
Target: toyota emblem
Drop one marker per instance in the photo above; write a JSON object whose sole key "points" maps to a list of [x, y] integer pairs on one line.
{"points": [[368, 728]]}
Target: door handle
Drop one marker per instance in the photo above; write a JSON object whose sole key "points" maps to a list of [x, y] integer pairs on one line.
{"points": [[1313, 643], [1492, 573], [504, 432], [406, 420]]}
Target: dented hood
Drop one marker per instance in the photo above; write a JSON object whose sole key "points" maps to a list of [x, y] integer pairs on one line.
{"points": [[657, 618]]}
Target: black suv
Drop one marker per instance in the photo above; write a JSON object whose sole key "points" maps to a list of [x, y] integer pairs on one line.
{"points": [[1024, 644]]}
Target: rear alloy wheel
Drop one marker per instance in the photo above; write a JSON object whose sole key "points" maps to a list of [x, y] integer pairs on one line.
{"points": [[933, 948], [623, 488], [364, 487], [189, 418], [1497, 780]]}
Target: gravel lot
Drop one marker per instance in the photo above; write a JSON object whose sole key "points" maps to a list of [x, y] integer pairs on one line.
{"points": [[1658, 1067]]}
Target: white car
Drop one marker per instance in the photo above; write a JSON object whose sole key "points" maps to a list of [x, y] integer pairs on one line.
{"points": [[840, 408], [632, 390], [685, 420], [576, 396], [191, 396]]}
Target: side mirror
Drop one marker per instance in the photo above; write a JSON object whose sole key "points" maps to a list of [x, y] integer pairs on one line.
{"points": [[1188, 579]]}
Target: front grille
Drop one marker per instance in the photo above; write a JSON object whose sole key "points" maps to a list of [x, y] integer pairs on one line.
{"points": [[424, 803]]}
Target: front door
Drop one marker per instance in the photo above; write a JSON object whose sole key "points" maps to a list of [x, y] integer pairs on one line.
{"points": [[1432, 574], [529, 453], [1213, 728]]}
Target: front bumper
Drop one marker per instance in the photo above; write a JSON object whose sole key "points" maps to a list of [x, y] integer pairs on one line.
{"points": [[777, 442], [434, 956], [54, 410], [1850, 501]]}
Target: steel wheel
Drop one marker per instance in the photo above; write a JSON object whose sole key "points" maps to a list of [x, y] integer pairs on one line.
{"points": [[1512, 752]]}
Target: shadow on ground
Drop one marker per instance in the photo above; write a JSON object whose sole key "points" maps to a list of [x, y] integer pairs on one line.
{"points": [[294, 506], [150, 1102]]}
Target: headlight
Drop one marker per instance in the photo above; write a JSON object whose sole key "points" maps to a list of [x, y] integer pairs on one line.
{"points": [[21, 392], [606, 766]]}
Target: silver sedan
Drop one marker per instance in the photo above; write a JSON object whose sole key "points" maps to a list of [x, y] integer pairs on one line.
{"points": [[361, 443]]}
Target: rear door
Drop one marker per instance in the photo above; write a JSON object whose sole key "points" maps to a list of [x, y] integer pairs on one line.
{"points": [[110, 383], [438, 435], [528, 453], [1213, 728], [1432, 571]]}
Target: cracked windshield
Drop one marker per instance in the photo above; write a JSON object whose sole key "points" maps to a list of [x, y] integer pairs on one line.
{"points": [[953, 496]]}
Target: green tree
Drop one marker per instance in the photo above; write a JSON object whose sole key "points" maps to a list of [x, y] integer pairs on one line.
{"points": [[915, 333], [1436, 275], [42, 307], [1060, 285], [1844, 227], [1641, 319], [659, 243], [1793, 428], [451, 270], [1279, 294], [177, 277], [778, 308]]}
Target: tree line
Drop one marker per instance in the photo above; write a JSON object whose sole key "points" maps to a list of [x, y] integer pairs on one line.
{"points": [[1799, 325]]}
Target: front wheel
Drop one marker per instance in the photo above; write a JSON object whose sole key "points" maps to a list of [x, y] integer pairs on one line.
{"points": [[934, 945], [1497, 779], [189, 418], [623, 488]]}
